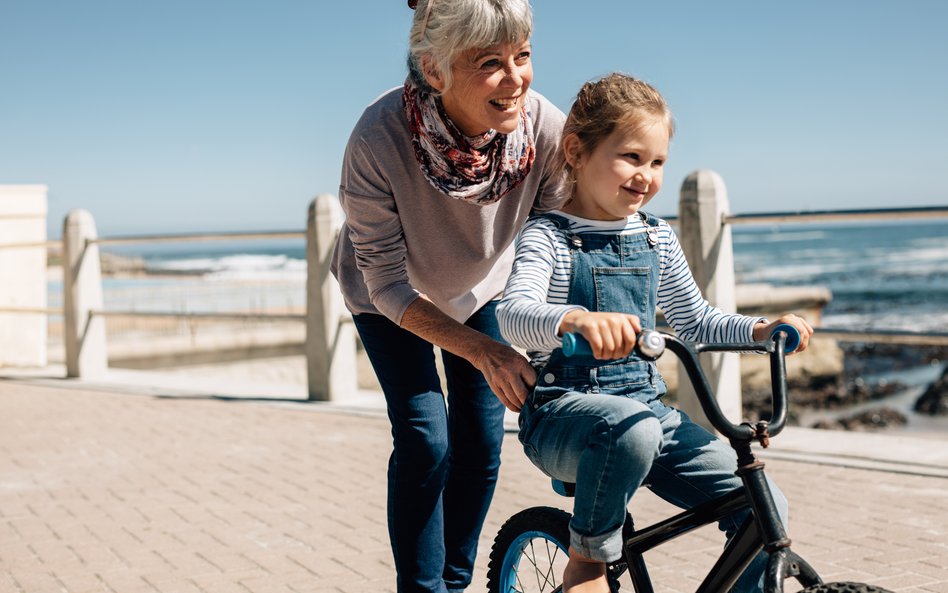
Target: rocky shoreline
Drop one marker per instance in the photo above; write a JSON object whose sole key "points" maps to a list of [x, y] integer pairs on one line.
{"points": [[851, 388]]}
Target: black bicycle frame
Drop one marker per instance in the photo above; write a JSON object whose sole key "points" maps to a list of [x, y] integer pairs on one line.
{"points": [[763, 530]]}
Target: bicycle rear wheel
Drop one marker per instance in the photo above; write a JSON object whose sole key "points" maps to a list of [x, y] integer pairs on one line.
{"points": [[530, 552]]}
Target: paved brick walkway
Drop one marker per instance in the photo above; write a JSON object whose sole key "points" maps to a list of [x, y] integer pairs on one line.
{"points": [[124, 493]]}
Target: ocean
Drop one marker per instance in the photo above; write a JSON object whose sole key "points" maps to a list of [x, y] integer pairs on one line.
{"points": [[891, 276], [882, 275]]}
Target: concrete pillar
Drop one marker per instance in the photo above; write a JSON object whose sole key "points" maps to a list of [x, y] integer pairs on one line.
{"points": [[86, 353], [706, 241], [330, 336], [23, 275]]}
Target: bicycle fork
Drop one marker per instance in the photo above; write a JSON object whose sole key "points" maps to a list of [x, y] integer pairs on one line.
{"points": [[771, 534]]}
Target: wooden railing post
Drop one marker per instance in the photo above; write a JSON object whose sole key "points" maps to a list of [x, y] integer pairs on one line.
{"points": [[86, 352], [330, 335], [706, 241]]}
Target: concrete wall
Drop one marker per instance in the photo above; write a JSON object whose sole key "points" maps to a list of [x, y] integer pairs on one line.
{"points": [[23, 274]]}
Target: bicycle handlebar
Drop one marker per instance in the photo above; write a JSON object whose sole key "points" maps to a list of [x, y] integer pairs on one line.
{"points": [[652, 344]]}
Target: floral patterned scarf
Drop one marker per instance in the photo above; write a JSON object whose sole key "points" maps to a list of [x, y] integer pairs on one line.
{"points": [[479, 169]]}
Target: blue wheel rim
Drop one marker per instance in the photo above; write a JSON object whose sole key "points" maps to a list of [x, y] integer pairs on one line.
{"points": [[526, 548]]}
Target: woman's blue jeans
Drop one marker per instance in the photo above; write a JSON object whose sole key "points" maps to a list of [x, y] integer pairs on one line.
{"points": [[445, 460], [609, 445]]}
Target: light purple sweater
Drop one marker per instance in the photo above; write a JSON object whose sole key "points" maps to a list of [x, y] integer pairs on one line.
{"points": [[402, 237]]}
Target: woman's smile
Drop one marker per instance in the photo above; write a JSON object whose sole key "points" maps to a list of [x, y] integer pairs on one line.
{"points": [[507, 104]]}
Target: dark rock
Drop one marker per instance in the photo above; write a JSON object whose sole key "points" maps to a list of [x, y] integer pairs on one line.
{"points": [[821, 394], [934, 401], [869, 420], [864, 358], [860, 360], [115, 264]]}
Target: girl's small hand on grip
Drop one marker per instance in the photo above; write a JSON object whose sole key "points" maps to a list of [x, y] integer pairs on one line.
{"points": [[797, 329], [575, 344], [604, 335], [793, 336]]}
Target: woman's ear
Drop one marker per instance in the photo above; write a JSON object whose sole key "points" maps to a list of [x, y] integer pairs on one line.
{"points": [[573, 150], [432, 75]]}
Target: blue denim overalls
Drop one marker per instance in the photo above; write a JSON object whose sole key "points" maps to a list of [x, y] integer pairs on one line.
{"points": [[616, 273], [575, 429]]}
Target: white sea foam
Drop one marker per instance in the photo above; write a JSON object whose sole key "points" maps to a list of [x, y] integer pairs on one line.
{"points": [[932, 321], [790, 273], [779, 237], [935, 255], [237, 267]]}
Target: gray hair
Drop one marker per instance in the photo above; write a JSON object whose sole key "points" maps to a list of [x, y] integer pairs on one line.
{"points": [[455, 26]]}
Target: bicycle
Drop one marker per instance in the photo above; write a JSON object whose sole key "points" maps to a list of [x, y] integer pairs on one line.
{"points": [[530, 549]]}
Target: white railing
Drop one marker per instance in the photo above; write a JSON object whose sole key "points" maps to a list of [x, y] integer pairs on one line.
{"points": [[330, 338], [704, 228]]}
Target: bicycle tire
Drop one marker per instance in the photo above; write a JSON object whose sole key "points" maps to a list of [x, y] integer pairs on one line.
{"points": [[530, 552], [540, 537], [844, 587]]}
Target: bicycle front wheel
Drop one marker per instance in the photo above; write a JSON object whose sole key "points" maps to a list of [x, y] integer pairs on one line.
{"points": [[530, 552]]}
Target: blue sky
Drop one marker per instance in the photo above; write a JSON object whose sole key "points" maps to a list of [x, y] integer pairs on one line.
{"points": [[210, 115]]}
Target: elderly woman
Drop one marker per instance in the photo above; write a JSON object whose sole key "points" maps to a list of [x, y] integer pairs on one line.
{"points": [[438, 177]]}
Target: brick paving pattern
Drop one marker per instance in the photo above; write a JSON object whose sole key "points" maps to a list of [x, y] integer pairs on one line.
{"points": [[121, 493]]}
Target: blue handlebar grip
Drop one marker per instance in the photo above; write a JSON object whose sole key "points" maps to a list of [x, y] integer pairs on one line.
{"points": [[793, 336], [575, 344]]}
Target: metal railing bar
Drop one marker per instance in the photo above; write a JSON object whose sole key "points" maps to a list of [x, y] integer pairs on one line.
{"points": [[32, 310], [829, 215], [885, 336], [44, 244], [183, 237], [838, 215], [882, 336], [23, 215], [204, 315]]}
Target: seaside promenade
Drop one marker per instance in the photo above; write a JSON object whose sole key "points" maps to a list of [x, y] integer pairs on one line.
{"points": [[130, 486]]}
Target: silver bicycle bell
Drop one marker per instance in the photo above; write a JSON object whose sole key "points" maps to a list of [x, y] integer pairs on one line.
{"points": [[651, 344]]}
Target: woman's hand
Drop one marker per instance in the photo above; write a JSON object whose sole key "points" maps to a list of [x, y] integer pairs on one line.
{"points": [[508, 372], [611, 335], [762, 331]]}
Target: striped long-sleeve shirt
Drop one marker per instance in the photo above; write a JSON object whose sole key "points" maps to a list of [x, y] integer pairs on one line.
{"points": [[534, 301]]}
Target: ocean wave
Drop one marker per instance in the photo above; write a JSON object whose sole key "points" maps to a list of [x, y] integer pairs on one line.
{"points": [[778, 237], [234, 267], [936, 257], [930, 321], [791, 274]]}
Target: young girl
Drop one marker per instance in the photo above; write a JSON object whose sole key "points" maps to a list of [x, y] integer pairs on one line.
{"points": [[600, 266]]}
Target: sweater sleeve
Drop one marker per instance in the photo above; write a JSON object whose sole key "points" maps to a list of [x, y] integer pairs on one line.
{"points": [[525, 317], [375, 230], [686, 310]]}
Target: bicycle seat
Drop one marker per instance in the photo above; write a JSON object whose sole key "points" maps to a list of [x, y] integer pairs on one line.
{"points": [[564, 488]]}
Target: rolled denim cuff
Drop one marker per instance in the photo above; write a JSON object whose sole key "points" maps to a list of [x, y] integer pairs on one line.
{"points": [[606, 547]]}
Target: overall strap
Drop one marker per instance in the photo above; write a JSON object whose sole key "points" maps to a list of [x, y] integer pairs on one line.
{"points": [[651, 227], [562, 223]]}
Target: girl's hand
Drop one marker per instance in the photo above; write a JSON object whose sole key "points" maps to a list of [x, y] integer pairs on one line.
{"points": [[762, 331], [611, 335]]}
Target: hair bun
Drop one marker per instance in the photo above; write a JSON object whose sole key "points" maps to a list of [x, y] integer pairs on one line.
{"points": [[413, 4]]}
